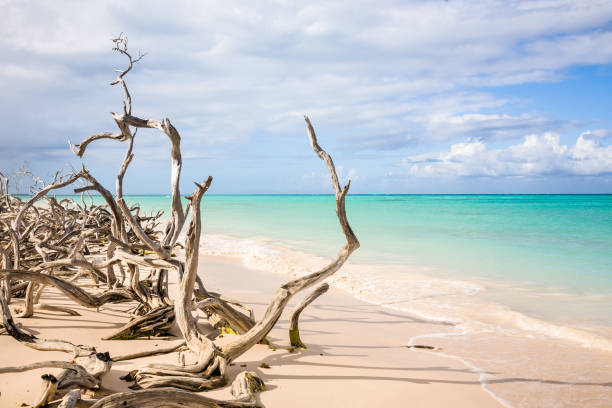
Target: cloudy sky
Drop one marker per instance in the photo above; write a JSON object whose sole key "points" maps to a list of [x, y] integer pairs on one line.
{"points": [[407, 96]]}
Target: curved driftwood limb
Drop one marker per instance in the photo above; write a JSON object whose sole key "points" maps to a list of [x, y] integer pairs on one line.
{"points": [[242, 343], [209, 371], [80, 148], [79, 262], [41, 364], [121, 46], [14, 246], [145, 261], [140, 354], [8, 322], [165, 398], [7, 286], [72, 291], [352, 241], [32, 341], [160, 286], [4, 183], [51, 308], [39, 294], [117, 227], [56, 345], [28, 310], [294, 331], [161, 251], [178, 215], [198, 343], [70, 399], [88, 369], [142, 294]]}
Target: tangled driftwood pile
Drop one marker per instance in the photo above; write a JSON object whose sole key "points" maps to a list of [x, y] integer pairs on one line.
{"points": [[69, 245]]}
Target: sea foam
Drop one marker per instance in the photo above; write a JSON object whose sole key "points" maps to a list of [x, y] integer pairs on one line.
{"points": [[406, 289]]}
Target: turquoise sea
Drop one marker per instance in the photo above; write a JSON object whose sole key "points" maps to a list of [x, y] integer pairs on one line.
{"points": [[518, 287], [537, 243]]}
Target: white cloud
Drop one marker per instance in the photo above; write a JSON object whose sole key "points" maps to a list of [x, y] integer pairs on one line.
{"points": [[228, 70], [489, 126], [537, 155], [235, 78]]}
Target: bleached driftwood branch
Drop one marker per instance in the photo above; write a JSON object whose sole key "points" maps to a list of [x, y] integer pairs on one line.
{"points": [[294, 331], [78, 249]]}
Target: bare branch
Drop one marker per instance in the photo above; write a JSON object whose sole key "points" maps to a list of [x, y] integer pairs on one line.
{"points": [[294, 331]]}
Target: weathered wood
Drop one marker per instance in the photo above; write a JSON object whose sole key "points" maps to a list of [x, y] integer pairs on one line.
{"points": [[139, 354], [41, 364], [198, 343], [165, 398], [244, 342], [246, 386], [51, 308], [294, 331], [155, 323], [49, 388], [77, 248], [70, 399], [72, 291]]}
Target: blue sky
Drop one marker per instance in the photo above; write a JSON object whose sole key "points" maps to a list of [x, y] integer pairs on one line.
{"points": [[407, 96]]}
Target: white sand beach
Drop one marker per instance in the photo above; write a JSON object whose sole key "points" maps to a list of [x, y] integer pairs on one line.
{"points": [[356, 353]]}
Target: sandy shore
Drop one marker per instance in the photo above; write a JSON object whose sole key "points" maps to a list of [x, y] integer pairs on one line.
{"points": [[355, 357]]}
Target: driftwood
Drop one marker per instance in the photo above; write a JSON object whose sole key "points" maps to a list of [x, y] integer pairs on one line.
{"points": [[49, 388], [294, 331], [70, 399], [165, 398], [99, 254]]}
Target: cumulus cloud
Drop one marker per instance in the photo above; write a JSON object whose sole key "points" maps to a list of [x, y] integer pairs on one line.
{"points": [[489, 126], [537, 155], [227, 71], [385, 76]]}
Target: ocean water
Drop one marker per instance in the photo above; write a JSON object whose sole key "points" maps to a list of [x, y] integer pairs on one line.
{"points": [[521, 284], [560, 243]]}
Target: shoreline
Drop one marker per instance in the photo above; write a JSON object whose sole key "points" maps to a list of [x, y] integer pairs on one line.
{"points": [[525, 356], [355, 356], [517, 360], [379, 284]]}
